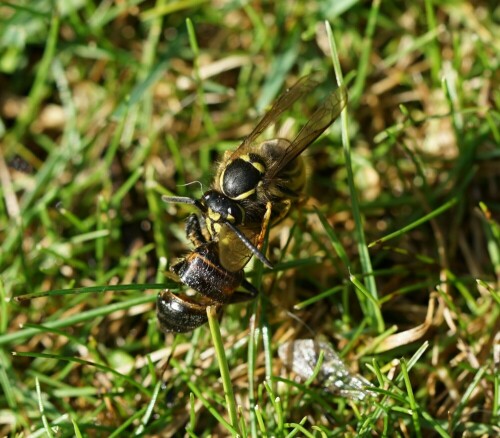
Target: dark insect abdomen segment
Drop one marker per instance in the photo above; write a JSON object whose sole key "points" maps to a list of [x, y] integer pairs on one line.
{"points": [[199, 269]]}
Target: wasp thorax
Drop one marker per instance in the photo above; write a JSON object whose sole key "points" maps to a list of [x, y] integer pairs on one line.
{"points": [[221, 209], [242, 176]]}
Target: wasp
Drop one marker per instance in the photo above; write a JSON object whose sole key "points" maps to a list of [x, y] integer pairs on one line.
{"points": [[254, 188]]}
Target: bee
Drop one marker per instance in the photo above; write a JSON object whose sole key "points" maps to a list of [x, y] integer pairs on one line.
{"points": [[254, 188]]}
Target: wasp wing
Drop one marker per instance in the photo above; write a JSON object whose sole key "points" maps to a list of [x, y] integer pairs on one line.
{"points": [[321, 119], [300, 89]]}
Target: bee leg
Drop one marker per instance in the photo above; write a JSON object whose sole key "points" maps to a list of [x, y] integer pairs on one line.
{"points": [[193, 230], [240, 296], [195, 235]]}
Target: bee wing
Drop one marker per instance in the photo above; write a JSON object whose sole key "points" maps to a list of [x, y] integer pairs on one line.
{"points": [[301, 356], [304, 86], [321, 119]]}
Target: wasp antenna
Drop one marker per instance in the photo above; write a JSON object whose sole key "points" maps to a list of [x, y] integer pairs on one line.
{"points": [[178, 200], [255, 251], [183, 200]]}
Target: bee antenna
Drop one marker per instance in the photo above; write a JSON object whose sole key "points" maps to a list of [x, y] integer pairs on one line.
{"points": [[255, 251]]}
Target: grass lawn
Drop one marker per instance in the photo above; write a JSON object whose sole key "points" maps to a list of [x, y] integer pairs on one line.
{"points": [[392, 262]]}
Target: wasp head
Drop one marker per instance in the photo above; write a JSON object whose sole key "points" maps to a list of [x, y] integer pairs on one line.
{"points": [[221, 210]]}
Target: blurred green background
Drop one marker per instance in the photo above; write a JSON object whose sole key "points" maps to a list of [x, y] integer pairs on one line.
{"points": [[106, 106]]}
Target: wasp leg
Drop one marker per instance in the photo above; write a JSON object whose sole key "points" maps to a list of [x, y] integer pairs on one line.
{"points": [[256, 248], [194, 231], [250, 291], [284, 208], [265, 224]]}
